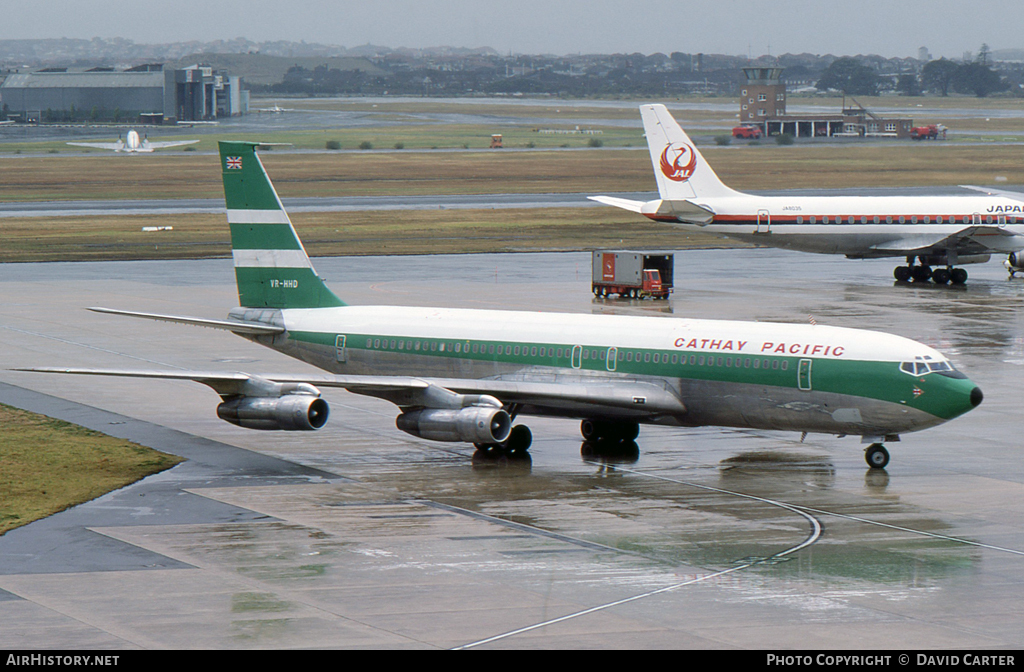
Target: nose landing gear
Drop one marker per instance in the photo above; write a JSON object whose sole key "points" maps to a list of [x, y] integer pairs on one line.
{"points": [[876, 456]]}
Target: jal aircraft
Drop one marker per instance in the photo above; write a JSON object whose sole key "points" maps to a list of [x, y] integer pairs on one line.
{"points": [[465, 375], [133, 144], [946, 232]]}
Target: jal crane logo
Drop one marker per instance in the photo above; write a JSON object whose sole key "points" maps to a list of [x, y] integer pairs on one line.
{"points": [[678, 161]]}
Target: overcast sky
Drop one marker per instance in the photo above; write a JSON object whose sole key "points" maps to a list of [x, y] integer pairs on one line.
{"points": [[885, 27]]}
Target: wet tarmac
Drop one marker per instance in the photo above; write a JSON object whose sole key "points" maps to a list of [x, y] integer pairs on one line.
{"points": [[361, 536]]}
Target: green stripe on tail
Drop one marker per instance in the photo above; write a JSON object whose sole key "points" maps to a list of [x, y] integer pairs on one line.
{"points": [[272, 268]]}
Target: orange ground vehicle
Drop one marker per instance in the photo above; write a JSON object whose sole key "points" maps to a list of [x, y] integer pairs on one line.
{"points": [[749, 132], [929, 132]]}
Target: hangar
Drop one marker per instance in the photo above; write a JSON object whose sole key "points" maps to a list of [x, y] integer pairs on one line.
{"points": [[143, 93]]}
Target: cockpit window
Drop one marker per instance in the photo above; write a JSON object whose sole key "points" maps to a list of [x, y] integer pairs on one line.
{"points": [[922, 368]]}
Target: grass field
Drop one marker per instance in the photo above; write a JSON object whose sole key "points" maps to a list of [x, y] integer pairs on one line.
{"points": [[181, 175], [345, 233], [48, 465], [766, 166]]}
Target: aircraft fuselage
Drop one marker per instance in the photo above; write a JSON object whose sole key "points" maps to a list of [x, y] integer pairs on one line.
{"points": [[862, 226], [705, 372]]}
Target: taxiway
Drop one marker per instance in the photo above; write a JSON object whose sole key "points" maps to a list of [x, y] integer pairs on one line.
{"points": [[361, 536]]}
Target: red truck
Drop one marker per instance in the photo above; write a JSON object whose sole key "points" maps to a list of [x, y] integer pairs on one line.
{"points": [[929, 132], [748, 132], [634, 275]]}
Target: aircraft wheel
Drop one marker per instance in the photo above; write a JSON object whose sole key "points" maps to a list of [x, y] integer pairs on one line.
{"points": [[519, 439], [901, 273], [876, 456], [941, 276], [959, 276], [608, 430], [921, 273]]}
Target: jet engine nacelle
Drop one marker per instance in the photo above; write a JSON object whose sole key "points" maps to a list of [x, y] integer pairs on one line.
{"points": [[292, 412], [1016, 261], [473, 424]]}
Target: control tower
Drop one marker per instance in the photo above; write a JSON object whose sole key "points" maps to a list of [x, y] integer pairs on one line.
{"points": [[763, 96]]}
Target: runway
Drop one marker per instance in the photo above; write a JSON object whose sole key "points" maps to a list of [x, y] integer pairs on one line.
{"points": [[110, 207], [361, 536], [308, 204]]}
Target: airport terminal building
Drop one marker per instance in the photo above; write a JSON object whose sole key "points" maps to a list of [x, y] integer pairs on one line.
{"points": [[146, 93]]}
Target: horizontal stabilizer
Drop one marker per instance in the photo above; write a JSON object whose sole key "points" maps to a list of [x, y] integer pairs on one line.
{"points": [[687, 211], [251, 328], [624, 203], [683, 210]]}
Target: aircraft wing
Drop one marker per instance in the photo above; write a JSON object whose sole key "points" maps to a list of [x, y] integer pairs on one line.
{"points": [[624, 397], [168, 143], [1016, 195], [99, 145], [969, 240]]}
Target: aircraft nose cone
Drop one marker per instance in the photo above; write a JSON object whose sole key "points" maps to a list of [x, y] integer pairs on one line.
{"points": [[976, 396]]}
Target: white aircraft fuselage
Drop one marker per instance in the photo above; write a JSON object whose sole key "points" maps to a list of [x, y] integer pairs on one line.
{"points": [[863, 227], [935, 230]]}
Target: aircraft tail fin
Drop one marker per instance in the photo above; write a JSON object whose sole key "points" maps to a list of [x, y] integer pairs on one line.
{"points": [[272, 269], [680, 169]]}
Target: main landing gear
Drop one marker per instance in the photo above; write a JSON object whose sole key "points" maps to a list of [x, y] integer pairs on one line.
{"points": [[518, 442], [922, 272], [607, 430], [606, 440], [876, 456]]}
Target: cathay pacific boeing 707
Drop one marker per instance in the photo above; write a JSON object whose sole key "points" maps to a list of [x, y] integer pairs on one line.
{"points": [[464, 375]]}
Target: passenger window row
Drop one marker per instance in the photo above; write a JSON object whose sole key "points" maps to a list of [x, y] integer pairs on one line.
{"points": [[623, 355], [913, 219]]}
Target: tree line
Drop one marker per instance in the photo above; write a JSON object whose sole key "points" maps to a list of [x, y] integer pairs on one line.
{"points": [[940, 77]]}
